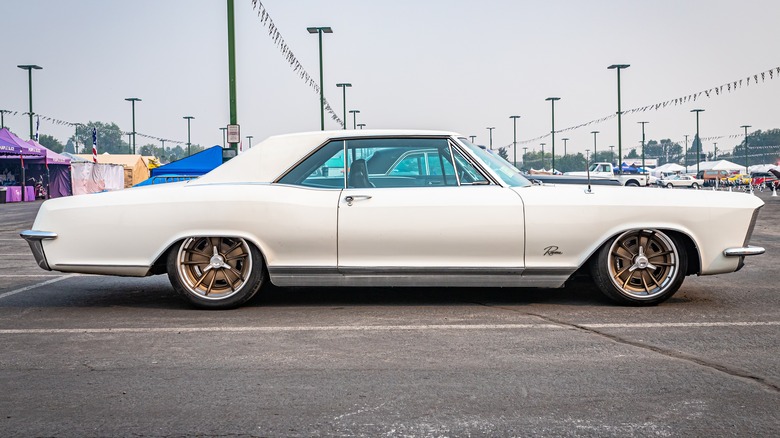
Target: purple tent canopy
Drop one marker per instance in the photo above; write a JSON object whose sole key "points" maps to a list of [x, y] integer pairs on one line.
{"points": [[51, 156], [14, 146]]}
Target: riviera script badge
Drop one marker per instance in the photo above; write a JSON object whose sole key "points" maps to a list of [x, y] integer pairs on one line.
{"points": [[551, 251]]}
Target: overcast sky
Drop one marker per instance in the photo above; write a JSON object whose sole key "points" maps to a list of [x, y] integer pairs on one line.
{"points": [[423, 64]]}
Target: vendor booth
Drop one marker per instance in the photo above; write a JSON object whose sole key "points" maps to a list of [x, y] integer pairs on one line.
{"points": [[13, 168], [53, 170]]}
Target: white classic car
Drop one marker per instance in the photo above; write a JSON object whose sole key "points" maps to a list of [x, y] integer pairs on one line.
{"points": [[680, 181], [392, 208]]}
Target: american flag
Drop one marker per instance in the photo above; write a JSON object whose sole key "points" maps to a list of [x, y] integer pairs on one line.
{"points": [[94, 145]]}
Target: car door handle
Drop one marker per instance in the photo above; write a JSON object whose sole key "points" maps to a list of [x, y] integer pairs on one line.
{"points": [[351, 198]]}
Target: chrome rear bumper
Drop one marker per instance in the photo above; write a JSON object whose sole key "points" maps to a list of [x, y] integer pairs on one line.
{"points": [[34, 238]]}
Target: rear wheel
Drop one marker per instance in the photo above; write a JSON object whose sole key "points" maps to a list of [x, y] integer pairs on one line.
{"points": [[640, 267], [216, 272], [694, 186], [669, 185]]}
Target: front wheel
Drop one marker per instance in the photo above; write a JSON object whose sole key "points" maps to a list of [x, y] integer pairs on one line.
{"points": [[640, 267], [669, 186], [694, 186], [216, 272]]}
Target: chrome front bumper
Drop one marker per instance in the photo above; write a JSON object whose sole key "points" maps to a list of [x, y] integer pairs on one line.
{"points": [[34, 238], [743, 251]]}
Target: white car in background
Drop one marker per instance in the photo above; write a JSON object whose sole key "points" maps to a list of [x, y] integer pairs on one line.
{"points": [[681, 181], [391, 208]]}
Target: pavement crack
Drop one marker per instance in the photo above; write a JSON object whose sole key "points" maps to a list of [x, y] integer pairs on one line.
{"points": [[733, 372]]}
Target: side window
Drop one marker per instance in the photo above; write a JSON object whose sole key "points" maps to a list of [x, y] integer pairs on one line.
{"points": [[467, 173], [399, 162], [322, 169]]}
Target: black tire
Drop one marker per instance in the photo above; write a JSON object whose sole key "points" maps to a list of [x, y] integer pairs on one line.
{"points": [[694, 186], [632, 183], [669, 186], [664, 266], [216, 272]]}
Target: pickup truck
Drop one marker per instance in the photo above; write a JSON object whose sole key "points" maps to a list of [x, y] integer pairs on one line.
{"points": [[605, 170]]}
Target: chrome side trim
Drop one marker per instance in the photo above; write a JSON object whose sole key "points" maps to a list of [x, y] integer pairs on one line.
{"points": [[419, 277], [34, 238], [748, 250]]}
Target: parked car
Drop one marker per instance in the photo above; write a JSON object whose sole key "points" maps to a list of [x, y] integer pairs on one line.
{"points": [[737, 179], [681, 181], [272, 215], [711, 176], [765, 179]]}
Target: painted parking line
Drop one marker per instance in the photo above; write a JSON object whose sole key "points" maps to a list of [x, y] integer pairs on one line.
{"points": [[680, 324], [372, 328], [33, 286]]}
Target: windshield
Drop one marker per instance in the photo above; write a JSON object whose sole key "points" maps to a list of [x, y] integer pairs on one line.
{"points": [[508, 173]]}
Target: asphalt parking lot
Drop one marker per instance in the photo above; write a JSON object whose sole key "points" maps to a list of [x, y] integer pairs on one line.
{"points": [[84, 355]]}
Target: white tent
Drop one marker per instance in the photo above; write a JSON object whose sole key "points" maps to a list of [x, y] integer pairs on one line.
{"points": [[666, 169], [763, 167], [715, 165]]}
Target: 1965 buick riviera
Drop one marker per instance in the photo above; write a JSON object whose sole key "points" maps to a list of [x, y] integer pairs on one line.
{"points": [[392, 208]]}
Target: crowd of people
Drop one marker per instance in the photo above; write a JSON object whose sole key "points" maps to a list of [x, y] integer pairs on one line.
{"points": [[7, 178]]}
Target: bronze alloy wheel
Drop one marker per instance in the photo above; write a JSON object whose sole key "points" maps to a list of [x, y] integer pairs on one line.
{"points": [[214, 268], [643, 264], [641, 267]]}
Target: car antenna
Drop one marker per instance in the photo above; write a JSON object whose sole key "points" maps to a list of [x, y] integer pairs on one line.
{"points": [[587, 168]]}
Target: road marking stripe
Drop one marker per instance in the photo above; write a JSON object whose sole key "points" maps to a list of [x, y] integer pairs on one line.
{"points": [[33, 286], [370, 328], [681, 324]]}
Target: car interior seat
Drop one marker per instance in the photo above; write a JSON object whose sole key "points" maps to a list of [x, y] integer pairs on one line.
{"points": [[358, 175]]}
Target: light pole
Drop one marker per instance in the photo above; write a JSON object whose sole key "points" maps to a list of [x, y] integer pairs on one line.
{"points": [[29, 68], [223, 129], [565, 144], [2, 118], [319, 31], [716, 151], [250, 137], [643, 145], [354, 118], [618, 67], [552, 130], [189, 143], [612, 154], [473, 137], [594, 144], [514, 141], [344, 86], [490, 130], [232, 68], [543, 155], [686, 152], [132, 101], [746, 148], [361, 125], [525, 152], [698, 139], [129, 142]]}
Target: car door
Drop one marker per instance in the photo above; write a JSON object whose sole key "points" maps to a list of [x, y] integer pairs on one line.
{"points": [[446, 219]]}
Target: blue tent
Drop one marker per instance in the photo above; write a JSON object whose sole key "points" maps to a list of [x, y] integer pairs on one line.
{"points": [[194, 165]]}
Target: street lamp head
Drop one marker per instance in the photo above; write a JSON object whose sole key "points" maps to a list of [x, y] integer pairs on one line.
{"points": [[553, 98], [30, 67], [354, 111], [132, 99], [618, 66], [514, 117], [319, 29], [565, 139], [696, 110], [188, 117], [344, 85], [594, 132], [361, 125]]}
